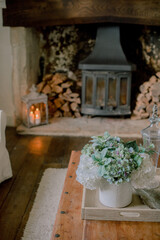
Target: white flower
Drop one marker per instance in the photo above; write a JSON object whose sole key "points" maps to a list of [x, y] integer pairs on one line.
{"points": [[87, 173], [145, 175]]}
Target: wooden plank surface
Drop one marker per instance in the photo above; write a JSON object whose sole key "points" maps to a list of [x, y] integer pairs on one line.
{"points": [[70, 226], [121, 230], [30, 156], [61, 12]]}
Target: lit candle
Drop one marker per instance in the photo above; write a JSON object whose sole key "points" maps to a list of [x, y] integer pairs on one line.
{"points": [[37, 116], [31, 117], [32, 108]]}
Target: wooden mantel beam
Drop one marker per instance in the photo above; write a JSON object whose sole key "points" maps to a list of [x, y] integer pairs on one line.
{"points": [[32, 13]]}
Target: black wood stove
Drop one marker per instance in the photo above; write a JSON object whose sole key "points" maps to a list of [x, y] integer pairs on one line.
{"points": [[106, 76]]}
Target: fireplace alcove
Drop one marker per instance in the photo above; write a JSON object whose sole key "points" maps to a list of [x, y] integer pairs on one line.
{"points": [[25, 40], [29, 54]]}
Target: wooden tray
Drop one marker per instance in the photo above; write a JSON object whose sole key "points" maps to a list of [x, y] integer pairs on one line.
{"points": [[92, 209]]}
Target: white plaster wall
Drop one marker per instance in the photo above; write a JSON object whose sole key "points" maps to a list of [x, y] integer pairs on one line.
{"points": [[19, 64], [25, 51], [6, 93]]}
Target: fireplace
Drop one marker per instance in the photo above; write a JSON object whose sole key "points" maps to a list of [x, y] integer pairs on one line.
{"points": [[22, 47], [106, 76], [106, 84]]}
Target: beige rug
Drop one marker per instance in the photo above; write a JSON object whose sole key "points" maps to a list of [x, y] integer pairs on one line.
{"points": [[86, 126], [42, 216]]}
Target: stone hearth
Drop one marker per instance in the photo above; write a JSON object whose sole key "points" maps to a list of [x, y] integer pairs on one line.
{"points": [[85, 126]]}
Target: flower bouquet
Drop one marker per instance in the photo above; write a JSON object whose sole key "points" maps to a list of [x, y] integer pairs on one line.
{"points": [[108, 162]]}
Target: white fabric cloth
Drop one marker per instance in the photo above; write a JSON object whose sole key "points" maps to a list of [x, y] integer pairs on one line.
{"points": [[2, 4], [43, 213], [5, 164]]}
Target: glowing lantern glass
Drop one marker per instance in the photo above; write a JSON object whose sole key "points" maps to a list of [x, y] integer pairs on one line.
{"points": [[34, 108]]}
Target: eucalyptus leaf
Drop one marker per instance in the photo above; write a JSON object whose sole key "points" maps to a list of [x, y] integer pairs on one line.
{"points": [[102, 170], [107, 161], [132, 144], [139, 161], [104, 152]]}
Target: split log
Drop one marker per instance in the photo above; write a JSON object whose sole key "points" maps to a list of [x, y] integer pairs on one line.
{"points": [[144, 115], [72, 76], [77, 114], [74, 95], [148, 96], [68, 91], [65, 107], [67, 114], [47, 77], [155, 90], [145, 87], [47, 89], [66, 85], [40, 86], [153, 79], [158, 106], [56, 81], [57, 114], [158, 74], [74, 106], [57, 89], [59, 77], [79, 84], [64, 94], [58, 102], [149, 108]]}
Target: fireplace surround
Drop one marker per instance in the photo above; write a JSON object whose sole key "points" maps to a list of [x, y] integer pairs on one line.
{"points": [[23, 42]]}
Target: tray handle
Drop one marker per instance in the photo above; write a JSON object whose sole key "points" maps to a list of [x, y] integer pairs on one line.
{"points": [[130, 214]]}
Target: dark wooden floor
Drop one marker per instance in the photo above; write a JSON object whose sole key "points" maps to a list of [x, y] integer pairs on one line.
{"points": [[30, 156]]}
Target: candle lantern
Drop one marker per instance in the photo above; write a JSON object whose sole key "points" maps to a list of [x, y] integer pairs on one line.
{"points": [[34, 108]]}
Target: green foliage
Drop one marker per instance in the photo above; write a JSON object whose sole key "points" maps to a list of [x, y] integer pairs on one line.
{"points": [[116, 159]]}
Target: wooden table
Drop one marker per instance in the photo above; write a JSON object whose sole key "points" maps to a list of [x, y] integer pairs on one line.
{"points": [[69, 225]]}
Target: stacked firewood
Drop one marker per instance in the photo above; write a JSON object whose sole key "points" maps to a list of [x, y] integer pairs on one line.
{"points": [[63, 92], [148, 96]]}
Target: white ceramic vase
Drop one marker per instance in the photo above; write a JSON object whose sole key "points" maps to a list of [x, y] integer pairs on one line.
{"points": [[112, 195]]}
